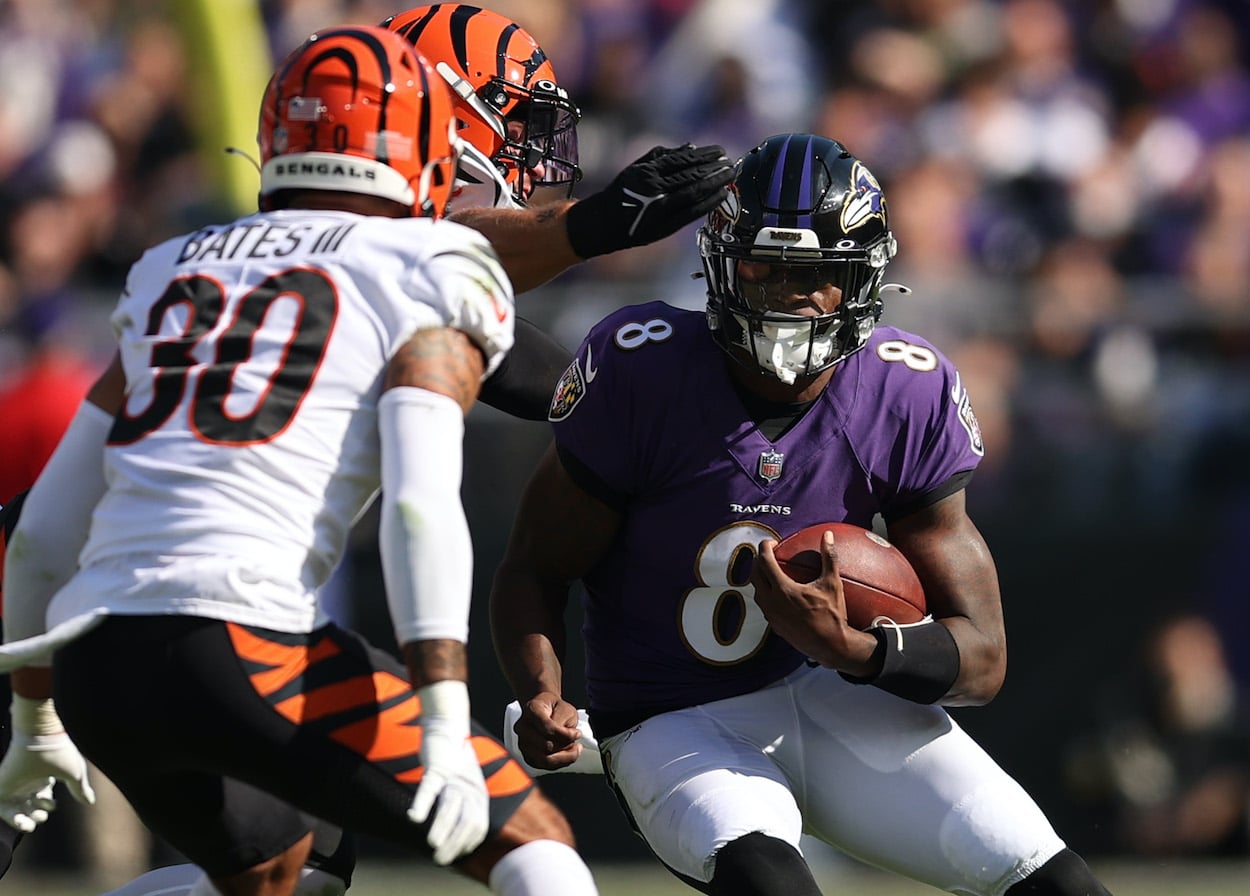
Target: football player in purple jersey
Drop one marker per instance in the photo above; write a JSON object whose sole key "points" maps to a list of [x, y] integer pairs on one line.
{"points": [[735, 708]]}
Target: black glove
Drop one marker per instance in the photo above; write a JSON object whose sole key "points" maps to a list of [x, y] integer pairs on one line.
{"points": [[654, 197]]}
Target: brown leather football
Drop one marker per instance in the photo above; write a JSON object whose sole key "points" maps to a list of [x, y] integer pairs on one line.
{"points": [[877, 580]]}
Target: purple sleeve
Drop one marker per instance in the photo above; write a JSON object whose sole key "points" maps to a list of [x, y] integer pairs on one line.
{"points": [[591, 411], [935, 429]]}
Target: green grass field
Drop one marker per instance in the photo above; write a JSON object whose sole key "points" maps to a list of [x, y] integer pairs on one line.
{"points": [[397, 879]]}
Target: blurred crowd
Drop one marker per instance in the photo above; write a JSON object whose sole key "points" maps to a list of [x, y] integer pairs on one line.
{"points": [[1068, 180], [1162, 766]]}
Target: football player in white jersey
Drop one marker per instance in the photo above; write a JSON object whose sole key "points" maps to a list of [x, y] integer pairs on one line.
{"points": [[273, 375], [517, 129]]}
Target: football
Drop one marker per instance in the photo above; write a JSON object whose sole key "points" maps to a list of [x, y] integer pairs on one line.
{"points": [[877, 580]]}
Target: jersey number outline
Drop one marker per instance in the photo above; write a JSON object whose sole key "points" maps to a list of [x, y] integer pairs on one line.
{"points": [[724, 589], [175, 366], [635, 334], [916, 357]]}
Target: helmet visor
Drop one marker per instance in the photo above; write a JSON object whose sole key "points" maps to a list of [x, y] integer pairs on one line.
{"points": [[764, 287], [542, 136], [764, 284]]}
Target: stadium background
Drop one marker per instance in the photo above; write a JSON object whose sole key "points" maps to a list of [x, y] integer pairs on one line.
{"points": [[1070, 186]]}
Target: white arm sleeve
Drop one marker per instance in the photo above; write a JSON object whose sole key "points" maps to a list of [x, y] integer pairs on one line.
{"points": [[427, 554], [53, 526]]}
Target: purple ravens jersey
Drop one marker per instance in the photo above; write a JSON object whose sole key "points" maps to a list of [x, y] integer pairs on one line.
{"points": [[648, 411]]}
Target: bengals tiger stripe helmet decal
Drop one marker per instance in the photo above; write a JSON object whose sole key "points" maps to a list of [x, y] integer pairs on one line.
{"points": [[509, 104], [356, 109]]}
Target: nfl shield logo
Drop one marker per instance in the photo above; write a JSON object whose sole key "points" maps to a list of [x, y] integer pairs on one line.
{"points": [[770, 465]]}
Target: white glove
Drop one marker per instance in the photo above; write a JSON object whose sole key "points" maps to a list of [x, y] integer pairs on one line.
{"points": [[39, 755], [452, 785], [588, 763]]}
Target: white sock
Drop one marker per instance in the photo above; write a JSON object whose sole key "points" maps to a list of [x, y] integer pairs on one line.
{"points": [[542, 868], [189, 880]]}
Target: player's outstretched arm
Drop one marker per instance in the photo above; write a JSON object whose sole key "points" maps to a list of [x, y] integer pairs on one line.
{"points": [[653, 197], [532, 243]]}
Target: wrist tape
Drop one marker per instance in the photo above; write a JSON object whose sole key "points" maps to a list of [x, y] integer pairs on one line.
{"points": [[919, 662], [445, 707], [35, 717]]}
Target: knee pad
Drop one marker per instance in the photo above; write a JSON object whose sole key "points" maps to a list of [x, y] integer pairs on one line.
{"points": [[759, 865], [1066, 874]]}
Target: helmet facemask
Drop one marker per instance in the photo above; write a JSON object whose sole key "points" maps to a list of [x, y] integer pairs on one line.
{"points": [[745, 313], [540, 129]]}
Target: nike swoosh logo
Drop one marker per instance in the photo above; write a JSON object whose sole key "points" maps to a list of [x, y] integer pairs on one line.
{"points": [[591, 372]]}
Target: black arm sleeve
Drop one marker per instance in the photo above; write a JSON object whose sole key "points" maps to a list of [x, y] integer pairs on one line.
{"points": [[524, 383]]}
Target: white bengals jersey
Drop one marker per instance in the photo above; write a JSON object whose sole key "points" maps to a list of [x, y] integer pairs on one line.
{"points": [[248, 444]]}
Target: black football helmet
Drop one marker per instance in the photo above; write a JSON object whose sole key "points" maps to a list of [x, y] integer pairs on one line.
{"points": [[812, 211]]}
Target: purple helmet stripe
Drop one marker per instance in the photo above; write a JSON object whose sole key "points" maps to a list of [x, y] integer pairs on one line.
{"points": [[773, 199], [806, 197]]}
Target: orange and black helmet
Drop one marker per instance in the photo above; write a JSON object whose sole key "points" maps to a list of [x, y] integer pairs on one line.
{"points": [[508, 101], [355, 109]]}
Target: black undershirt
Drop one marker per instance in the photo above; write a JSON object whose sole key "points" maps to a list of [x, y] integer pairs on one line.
{"points": [[774, 418]]}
